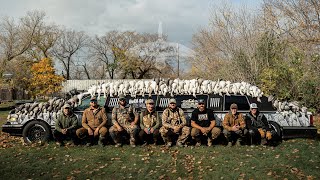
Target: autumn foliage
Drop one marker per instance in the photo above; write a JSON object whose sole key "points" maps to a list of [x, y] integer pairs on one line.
{"points": [[44, 81]]}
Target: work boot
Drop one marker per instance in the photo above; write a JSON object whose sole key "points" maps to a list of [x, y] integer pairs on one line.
{"points": [[60, 144], [209, 142], [89, 144], [179, 144], [198, 144], [238, 142], [169, 144], [132, 142], [263, 142], [229, 144], [100, 142], [118, 145]]}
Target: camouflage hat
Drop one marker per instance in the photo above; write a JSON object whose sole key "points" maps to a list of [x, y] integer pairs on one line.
{"points": [[172, 100], [122, 97], [93, 99], [149, 101], [234, 106], [66, 106]]}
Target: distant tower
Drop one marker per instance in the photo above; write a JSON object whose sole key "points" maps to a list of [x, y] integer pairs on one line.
{"points": [[160, 31]]}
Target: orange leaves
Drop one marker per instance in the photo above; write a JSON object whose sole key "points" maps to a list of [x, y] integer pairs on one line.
{"points": [[44, 81]]}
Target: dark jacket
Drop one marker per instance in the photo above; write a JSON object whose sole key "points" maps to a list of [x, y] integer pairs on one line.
{"points": [[66, 122], [256, 122]]}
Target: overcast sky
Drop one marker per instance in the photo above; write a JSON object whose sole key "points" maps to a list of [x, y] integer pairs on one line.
{"points": [[180, 18]]}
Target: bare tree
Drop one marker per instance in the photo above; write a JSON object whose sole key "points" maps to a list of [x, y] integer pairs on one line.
{"points": [[67, 46], [16, 39]]}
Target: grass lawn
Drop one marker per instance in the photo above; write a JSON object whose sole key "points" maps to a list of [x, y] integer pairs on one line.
{"points": [[292, 159]]}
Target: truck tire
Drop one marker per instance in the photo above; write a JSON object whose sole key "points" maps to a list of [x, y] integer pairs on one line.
{"points": [[276, 131], [36, 131]]}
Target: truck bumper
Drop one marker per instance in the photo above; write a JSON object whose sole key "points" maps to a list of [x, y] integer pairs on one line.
{"points": [[299, 132], [12, 129]]}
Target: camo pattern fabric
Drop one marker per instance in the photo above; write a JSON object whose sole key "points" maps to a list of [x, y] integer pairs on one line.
{"points": [[149, 120], [171, 119], [124, 116]]}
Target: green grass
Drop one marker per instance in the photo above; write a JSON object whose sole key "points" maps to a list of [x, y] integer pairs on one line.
{"points": [[292, 159]]}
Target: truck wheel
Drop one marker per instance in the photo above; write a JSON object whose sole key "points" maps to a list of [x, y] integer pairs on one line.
{"points": [[36, 131], [276, 131]]}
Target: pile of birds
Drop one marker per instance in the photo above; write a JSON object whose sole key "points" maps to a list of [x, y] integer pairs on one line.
{"points": [[288, 108], [38, 110], [156, 86], [172, 87]]}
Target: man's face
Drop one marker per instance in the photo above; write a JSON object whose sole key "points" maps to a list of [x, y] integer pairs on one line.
{"points": [[234, 110], [93, 103], [122, 102], [201, 106], [66, 111], [254, 111], [150, 106], [172, 105]]}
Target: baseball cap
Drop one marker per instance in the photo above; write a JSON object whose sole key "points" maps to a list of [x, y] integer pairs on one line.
{"points": [[172, 100], [66, 106], [201, 101], [122, 97], [149, 101], [234, 106], [93, 99], [253, 106]]}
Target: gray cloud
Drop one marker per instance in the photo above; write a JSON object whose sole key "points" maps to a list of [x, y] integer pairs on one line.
{"points": [[180, 18]]}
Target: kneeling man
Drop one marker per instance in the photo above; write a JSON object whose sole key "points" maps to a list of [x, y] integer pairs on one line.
{"points": [[203, 124]]}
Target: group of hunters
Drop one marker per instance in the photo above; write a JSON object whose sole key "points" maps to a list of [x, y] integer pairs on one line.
{"points": [[146, 127]]}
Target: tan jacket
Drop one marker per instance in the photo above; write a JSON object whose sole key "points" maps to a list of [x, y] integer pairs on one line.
{"points": [[230, 120], [94, 119]]}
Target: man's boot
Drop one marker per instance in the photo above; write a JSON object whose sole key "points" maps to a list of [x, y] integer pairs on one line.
{"points": [[132, 142], [209, 142], [238, 142], [100, 142]]}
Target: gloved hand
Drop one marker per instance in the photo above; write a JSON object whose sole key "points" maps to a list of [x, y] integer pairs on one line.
{"points": [[262, 133], [269, 135]]}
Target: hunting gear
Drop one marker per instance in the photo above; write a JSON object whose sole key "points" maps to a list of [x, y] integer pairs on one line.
{"points": [[65, 126], [149, 124], [234, 126], [124, 120], [174, 123], [94, 120], [258, 126]]}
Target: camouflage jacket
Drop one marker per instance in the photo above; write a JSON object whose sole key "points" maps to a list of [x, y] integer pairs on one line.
{"points": [[149, 120], [172, 118], [123, 115]]}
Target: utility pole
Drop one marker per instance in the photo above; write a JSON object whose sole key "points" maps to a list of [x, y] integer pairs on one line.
{"points": [[178, 58]]}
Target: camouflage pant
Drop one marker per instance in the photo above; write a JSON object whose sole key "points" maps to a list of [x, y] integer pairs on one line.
{"points": [[234, 135], [167, 134], [214, 133], [117, 135]]}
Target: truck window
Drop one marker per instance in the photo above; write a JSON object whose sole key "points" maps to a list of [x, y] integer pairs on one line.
{"points": [[137, 102], [241, 101], [85, 103]]}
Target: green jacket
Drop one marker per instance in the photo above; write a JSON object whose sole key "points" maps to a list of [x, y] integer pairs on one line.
{"points": [[66, 122]]}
